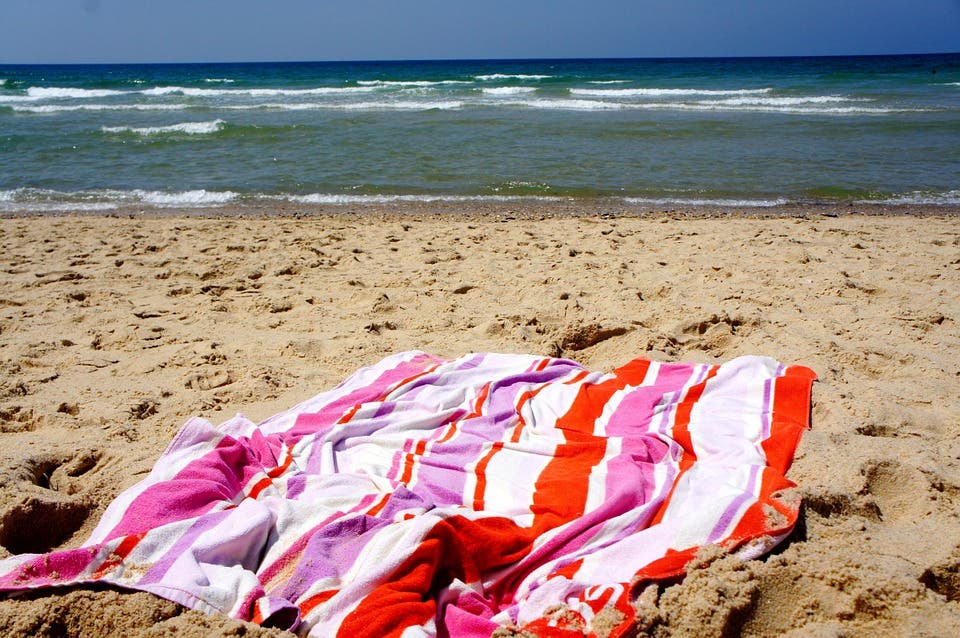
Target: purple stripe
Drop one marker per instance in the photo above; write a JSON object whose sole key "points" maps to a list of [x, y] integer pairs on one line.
{"points": [[330, 552], [748, 494], [183, 543], [768, 404], [269, 571]]}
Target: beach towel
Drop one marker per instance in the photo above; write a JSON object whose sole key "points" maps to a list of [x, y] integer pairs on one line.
{"points": [[433, 497]]}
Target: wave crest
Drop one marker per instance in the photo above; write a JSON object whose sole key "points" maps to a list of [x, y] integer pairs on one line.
{"points": [[198, 92], [654, 92], [508, 90], [188, 128], [53, 92], [510, 76]]}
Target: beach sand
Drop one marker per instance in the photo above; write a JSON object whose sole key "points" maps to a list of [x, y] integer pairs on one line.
{"points": [[115, 330]]}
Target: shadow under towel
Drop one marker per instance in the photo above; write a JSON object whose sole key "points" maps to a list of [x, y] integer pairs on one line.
{"points": [[425, 496]]}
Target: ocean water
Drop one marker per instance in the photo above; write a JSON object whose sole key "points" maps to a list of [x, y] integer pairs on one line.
{"points": [[756, 132]]}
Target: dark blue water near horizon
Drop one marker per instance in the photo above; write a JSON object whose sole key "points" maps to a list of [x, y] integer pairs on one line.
{"points": [[746, 131]]}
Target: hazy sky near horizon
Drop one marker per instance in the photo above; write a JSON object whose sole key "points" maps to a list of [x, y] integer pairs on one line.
{"points": [[53, 31]]}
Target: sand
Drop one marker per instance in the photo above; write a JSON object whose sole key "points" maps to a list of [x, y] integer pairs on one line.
{"points": [[114, 330]]}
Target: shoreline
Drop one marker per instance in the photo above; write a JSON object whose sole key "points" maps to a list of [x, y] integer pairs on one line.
{"points": [[521, 208], [115, 328]]}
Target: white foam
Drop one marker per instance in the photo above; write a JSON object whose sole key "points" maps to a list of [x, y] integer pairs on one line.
{"points": [[189, 128], [41, 207], [13, 99], [918, 197], [32, 199], [168, 90], [715, 105], [323, 198], [781, 108], [408, 83], [27, 200], [781, 101], [727, 203], [400, 105], [197, 92], [66, 108], [405, 105], [54, 92], [768, 106], [608, 82], [199, 197], [508, 90], [510, 76], [219, 80], [653, 92], [573, 105], [44, 199]]}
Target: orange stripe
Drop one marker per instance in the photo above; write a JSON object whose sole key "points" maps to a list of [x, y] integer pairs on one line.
{"points": [[349, 414], [567, 571], [410, 459], [259, 486], [273, 473], [481, 472], [562, 487], [307, 606], [633, 372], [280, 469], [477, 411], [451, 430], [791, 416], [379, 505], [577, 378], [681, 423], [518, 430], [481, 399], [116, 556], [756, 521], [455, 548]]}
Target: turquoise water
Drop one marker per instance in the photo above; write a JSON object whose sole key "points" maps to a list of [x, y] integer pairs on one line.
{"points": [[747, 131]]}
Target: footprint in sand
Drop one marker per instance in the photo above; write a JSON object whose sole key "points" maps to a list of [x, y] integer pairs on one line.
{"points": [[17, 419], [51, 508], [583, 336], [209, 380], [944, 576], [895, 488]]}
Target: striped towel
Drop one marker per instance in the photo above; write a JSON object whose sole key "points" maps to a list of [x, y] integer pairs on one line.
{"points": [[425, 496]]}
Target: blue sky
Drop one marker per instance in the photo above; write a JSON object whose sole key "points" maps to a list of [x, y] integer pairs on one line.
{"points": [[46, 31]]}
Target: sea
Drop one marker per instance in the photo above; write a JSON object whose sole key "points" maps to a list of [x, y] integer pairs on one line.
{"points": [[740, 132]]}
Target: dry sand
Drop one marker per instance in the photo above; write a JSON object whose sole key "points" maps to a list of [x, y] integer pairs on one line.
{"points": [[114, 330]]}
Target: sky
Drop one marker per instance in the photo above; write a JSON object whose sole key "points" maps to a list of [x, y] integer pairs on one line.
{"points": [[88, 31]]}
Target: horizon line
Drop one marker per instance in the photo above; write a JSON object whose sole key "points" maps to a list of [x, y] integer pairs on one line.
{"points": [[476, 60]]}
